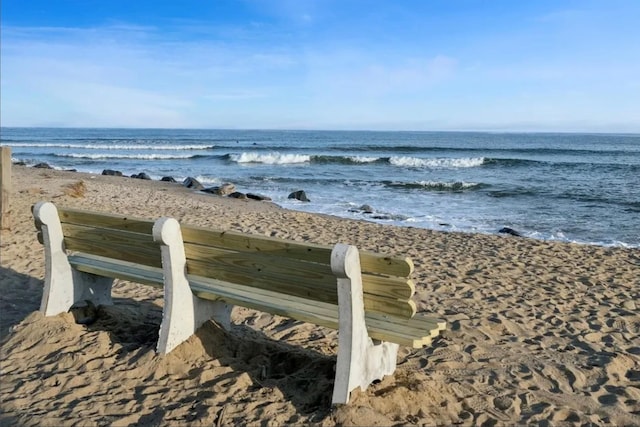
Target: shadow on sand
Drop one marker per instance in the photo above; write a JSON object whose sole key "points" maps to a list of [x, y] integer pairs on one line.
{"points": [[304, 376], [20, 295]]}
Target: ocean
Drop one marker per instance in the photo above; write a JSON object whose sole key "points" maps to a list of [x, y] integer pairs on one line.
{"points": [[582, 188]]}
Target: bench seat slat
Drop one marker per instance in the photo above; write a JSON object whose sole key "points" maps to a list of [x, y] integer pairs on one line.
{"points": [[302, 309], [426, 328]]}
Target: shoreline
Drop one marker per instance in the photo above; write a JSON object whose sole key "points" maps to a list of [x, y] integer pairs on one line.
{"points": [[537, 330]]}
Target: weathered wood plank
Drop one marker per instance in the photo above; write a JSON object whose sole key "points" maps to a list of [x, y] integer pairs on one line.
{"points": [[392, 287], [311, 288], [296, 286], [254, 243], [105, 220], [402, 308], [289, 270], [117, 269], [403, 326], [5, 187], [372, 304], [108, 235], [319, 313], [125, 252], [370, 262], [389, 266]]}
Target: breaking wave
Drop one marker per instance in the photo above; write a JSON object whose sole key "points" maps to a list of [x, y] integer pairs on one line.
{"points": [[270, 158], [417, 162], [276, 158]]}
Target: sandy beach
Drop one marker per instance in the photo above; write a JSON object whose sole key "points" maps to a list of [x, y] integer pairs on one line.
{"points": [[538, 332]]}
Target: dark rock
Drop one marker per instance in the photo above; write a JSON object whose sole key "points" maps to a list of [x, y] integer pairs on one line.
{"points": [[192, 183], [258, 197], [223, 190], [507, 230], [19, 163], [168, 179], [387, 217], [111, 172], [299, 195], [141, 175], [43, 166], [238, 195], [84, 312], [226, 189], [71, 170], [382, 217], [365, 209]]}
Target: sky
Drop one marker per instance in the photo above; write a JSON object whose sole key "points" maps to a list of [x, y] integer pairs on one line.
{"points": [[501, 65]]}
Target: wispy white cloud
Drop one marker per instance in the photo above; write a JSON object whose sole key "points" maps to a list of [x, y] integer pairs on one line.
{"points": [[303, 69]]}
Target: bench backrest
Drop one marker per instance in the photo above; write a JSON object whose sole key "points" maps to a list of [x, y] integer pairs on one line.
{"points": [[291, 268], [296, 268], [112, 236]]}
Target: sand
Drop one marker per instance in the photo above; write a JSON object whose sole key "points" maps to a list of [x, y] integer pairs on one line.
{"points": [[538, 332]]}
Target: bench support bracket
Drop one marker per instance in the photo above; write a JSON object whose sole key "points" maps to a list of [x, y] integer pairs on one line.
{"points": [[360, 360], [183, 312], [64, 285]]}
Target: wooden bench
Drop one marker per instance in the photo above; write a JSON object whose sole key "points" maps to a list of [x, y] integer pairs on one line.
{"points": [[204, 273]]}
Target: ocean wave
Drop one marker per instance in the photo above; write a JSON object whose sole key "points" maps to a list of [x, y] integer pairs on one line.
{"points": [[418, 162], [456, 186], [102, 156], [128, 147], [270, 158], [492, 148], [510, 162], [347, 160], [363, 159]]}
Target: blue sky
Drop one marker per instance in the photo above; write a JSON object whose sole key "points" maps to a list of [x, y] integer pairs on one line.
{"points": [[543, 65]]}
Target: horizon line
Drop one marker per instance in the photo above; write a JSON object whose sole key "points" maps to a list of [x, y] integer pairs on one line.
{"points": [[283, 129]]}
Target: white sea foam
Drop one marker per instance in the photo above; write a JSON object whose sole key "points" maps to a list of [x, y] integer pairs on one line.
{"points": [[363, 159], [274, 158], [417, 162], [208, 179], [458, 185]]}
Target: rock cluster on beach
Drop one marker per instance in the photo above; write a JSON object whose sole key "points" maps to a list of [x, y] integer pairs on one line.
{"points": [[227, 189]]}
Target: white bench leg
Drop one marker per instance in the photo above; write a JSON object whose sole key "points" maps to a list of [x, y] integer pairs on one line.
{"points": [[183, 312], [63, 285], [360, 360]]}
